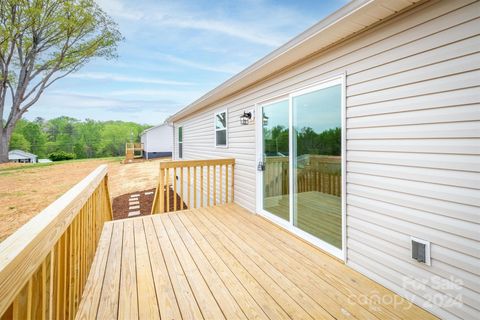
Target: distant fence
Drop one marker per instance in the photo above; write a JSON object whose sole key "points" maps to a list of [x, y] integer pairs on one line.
{"points": [[198, 183], [314, 173], [44, 265]]}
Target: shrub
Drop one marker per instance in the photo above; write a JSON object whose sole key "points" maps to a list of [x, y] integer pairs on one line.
{"points": [[61, 155]]}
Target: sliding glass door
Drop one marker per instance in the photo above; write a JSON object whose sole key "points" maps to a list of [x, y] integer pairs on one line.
{"points": [[301, 163], [275, 160], [317, 169]]}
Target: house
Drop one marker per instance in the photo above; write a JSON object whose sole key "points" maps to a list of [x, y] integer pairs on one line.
{"points": [[157, 141], [362, 136], [336, 178], [21, 156]]}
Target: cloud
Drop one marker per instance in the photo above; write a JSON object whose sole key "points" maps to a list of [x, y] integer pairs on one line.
{"points": [[122, 78], [255, 22], [229, 69], [240, 31], [118, 9]]}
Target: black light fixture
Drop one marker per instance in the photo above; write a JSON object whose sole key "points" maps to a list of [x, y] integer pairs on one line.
{"points": [[245, 118]]}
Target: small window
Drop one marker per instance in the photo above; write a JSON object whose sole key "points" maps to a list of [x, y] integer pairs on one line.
{"points": [[180, 142], [221, 129]]}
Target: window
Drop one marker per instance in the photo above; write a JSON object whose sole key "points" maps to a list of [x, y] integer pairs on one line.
{"points": [[180, 142], [221, 129]]}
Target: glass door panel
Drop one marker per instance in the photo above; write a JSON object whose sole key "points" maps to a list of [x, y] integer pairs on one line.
{"points": [[275, 159], [316, 157]]}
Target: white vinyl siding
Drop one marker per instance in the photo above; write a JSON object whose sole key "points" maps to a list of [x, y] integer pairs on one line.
{"points": [[413, 146], [159, 139]]}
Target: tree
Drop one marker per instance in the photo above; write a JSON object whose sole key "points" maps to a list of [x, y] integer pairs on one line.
{"points": [[42, 41], [33, 132], [18, 141], [84, 139]]}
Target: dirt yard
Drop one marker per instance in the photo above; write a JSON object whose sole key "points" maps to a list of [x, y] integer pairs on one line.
{"points": [[27, 189]]}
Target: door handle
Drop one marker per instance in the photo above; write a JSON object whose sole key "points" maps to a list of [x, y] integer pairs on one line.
{"points": [[261, 166]]}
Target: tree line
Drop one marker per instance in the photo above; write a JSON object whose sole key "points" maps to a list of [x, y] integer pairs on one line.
{"points": [[327, 142], [83, 139]]}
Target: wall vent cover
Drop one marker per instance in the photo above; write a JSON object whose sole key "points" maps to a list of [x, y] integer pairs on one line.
{"points": [[421, 250]]}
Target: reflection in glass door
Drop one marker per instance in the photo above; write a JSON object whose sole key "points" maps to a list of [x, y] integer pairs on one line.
{"points": [[300, 165], [275, 159], [316, 156]]}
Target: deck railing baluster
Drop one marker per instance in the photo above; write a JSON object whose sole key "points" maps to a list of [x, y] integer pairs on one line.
{"points": [[194, 186], [219, 185], [181, 189], [208, 186], [201, 186], [167, 186], [175, 189]]}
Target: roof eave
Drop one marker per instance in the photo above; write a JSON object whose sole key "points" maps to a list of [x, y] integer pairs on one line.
{"points": [[339, 25]]}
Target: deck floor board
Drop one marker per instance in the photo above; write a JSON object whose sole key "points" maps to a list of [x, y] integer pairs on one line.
{"points": [[224, 262]]}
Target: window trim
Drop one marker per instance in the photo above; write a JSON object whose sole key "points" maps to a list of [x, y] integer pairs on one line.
{"points": [[215, 128], [180, 142]]}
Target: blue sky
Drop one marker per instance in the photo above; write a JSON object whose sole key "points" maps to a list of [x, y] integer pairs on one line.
{"points": [[174, 52]]}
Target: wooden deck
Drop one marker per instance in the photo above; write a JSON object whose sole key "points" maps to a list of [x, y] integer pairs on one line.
{"points": [[223, 262]]}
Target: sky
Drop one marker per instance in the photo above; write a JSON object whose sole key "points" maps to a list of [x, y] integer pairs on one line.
{"points": [[173, 53]]}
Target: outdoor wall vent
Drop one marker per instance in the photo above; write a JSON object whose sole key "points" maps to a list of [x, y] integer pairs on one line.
{"points": [[421, 251]]}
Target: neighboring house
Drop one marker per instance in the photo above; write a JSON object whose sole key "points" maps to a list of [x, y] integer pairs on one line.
{"points": [[21, 156], [157, 141], [364, 139]]}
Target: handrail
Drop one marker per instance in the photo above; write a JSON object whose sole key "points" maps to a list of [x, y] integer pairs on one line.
{"points": [[44, 264], [194, 183]]}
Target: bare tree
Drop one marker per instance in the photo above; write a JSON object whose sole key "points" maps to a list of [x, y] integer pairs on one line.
{"points": [[42, 41]]}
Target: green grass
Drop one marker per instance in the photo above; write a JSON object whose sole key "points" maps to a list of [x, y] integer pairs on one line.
{"points": [[7, 170]]}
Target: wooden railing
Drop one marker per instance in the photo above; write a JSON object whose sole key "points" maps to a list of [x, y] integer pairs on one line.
{"points": [[133, 150], [134, 146], [194, 183], [314, 173], [44, 265]]}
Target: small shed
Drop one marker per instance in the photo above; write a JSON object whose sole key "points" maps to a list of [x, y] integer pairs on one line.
{"points": [[21, 156], [157, 141]]}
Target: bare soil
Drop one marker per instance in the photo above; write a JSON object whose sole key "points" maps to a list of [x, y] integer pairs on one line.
{"points": [[132, 177], [120, 204], [27, 189]]}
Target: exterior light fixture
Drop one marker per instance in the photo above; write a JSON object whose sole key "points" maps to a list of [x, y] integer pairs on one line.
{"points": [[265, 120], [245, 118]]}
